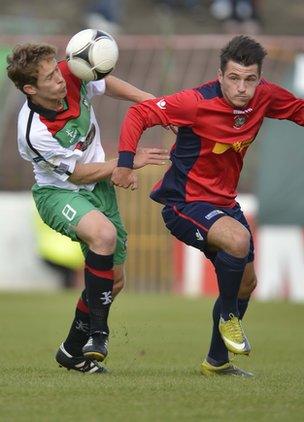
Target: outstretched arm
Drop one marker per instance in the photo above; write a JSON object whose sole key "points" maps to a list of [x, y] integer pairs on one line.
{"points": [[93, 172], [178, 109], [121, 90]]}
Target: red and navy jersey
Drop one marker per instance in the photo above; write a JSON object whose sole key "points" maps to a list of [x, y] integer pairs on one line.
{"points": [[212, 138]]}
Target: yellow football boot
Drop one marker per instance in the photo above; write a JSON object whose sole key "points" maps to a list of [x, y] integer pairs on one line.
{"points": [[233, 336], [227, 369]]}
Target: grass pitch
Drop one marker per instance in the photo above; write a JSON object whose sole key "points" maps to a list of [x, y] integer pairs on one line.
{"points": [[156, 346]]}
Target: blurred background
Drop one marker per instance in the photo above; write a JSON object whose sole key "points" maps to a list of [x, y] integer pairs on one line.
{"points": [[165, 45]]}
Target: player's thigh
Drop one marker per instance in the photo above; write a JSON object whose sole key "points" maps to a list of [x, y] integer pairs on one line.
{"points": [[62, 209], [190, 223], [249, 281], [96, 230], [106, 202], [229, 235]]}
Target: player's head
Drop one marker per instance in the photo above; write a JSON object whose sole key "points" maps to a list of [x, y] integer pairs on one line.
{"points": [[240, 70], [33, 69]]}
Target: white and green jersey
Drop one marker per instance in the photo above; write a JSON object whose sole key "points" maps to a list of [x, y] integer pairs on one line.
{"points": [[55, 141]]}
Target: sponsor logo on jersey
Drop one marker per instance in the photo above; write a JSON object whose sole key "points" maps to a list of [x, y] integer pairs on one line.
{"points": [[238, 146], [72, 134], [161, 104]]}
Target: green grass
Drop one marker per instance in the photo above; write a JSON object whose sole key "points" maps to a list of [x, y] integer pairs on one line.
{"points": [[157, 344]]}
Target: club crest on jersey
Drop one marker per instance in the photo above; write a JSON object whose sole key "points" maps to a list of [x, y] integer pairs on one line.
{"points": [[83, 145], [240, 117], [239, 121]]}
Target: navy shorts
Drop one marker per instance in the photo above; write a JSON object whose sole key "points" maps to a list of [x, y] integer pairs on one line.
{"points": [[191, 222]]}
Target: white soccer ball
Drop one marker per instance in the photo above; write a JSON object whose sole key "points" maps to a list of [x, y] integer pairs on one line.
{"points": [[91, 54]]}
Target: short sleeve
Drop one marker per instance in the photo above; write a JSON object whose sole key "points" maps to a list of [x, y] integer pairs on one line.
{"points": [[96, 88]]}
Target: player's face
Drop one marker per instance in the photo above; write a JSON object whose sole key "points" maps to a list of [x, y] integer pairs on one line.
{"points": [[239, 83], [51, 86]]}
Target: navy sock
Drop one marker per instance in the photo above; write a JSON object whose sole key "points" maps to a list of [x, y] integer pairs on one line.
{"points": [[99, 286], [79, 331], [229, 270], [218, 351]]}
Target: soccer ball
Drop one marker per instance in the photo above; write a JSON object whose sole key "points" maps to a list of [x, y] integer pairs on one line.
{"points": [[91, 54]]}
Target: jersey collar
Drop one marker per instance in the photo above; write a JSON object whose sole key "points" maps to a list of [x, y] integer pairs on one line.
{"points": [[45, 112]]}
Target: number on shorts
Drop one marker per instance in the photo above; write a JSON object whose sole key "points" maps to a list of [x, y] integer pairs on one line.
{"points": [[69, 212]]}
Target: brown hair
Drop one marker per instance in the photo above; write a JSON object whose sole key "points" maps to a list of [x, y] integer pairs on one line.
{"points": [[243, 50], [24, 61]]}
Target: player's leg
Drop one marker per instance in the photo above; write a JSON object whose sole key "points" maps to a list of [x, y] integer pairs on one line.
{"points": [[69, 354], [207, 228], [232, 240], [73, 214], [100, 235], [104, 199], [217, 360], [80, 328], [77, 338], [248, 284], [119, 279]]}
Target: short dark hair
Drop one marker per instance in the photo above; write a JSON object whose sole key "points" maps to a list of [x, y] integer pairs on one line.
{"points": [[243, 50], [24, 61]]}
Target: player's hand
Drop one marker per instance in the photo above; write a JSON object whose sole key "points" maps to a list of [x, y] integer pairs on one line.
{"points": [[123, 177], [134, 183], [174, 129], [154, 156]]}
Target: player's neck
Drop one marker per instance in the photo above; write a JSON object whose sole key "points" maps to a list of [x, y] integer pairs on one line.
{"points": [[56, 105]]}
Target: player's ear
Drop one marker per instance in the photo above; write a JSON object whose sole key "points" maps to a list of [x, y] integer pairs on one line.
{"points": [[220, 75], [29, 89]]}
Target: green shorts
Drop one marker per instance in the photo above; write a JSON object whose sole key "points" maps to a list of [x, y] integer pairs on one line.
{"points": [[62, 209]]}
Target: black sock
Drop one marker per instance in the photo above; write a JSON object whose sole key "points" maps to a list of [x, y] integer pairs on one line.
{"points": [[79, 331], [99, 286], [218, 351], [229, 270]]}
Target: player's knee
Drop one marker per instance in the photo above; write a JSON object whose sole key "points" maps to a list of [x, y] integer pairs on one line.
{"points": [[104, 238]]}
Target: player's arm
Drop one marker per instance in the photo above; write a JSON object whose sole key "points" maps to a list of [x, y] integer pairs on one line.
{"points": [[93, 172], [178, 110], [121, 90], [284, 105]]}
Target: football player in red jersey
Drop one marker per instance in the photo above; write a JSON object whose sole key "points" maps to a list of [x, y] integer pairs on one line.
{"points": [[216, 122], [58, 133]]}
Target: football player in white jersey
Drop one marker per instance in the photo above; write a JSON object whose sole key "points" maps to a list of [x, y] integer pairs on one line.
{"points": [[58, 133]]}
